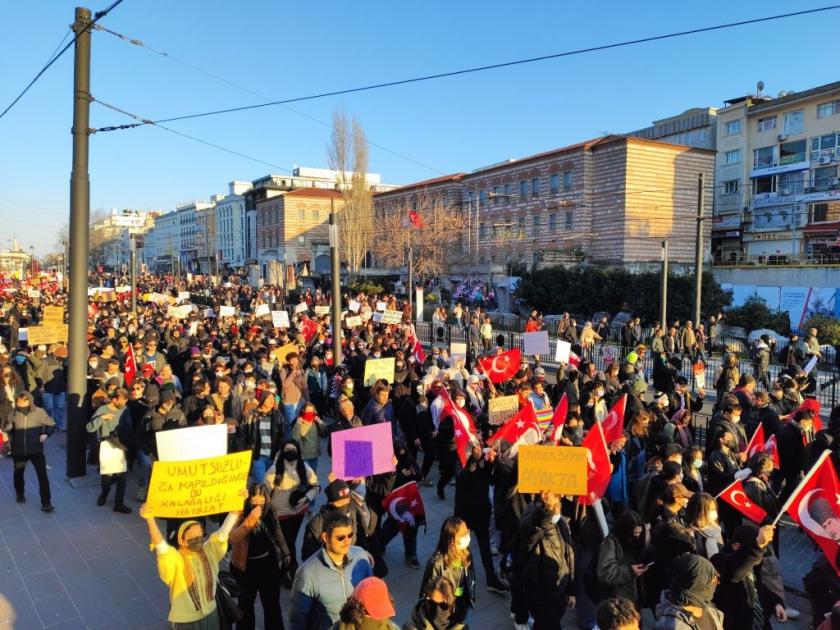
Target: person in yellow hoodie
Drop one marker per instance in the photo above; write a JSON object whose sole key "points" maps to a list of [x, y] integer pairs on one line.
{"points": [[191, 571]]}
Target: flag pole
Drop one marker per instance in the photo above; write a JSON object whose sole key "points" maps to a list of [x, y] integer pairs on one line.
{"points": [[720, 494], [802, 483]]}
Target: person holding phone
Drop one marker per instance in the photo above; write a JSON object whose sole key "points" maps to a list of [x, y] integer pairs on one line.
{"points": [[619, 566]]}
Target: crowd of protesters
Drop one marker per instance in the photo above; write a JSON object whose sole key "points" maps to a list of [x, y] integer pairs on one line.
{"points": [[658, 539]]}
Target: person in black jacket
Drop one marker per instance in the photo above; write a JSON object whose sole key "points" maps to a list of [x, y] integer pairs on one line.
{"points": [[544, 563], [740, 595], [794, 439], [339, 499], [472, 504], [672, 537], [29, 427]]}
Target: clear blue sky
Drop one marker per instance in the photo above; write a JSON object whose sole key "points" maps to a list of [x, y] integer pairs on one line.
{"points": [[284, 49]]}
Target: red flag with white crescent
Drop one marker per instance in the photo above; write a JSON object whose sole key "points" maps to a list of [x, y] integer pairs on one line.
{"points": [[756, 443], [308, 328], [815, 506], [598, 471], [614, 422], [503, 366], [522, 428], [771, 447], [405, 506], [574, 360], [130, 366], [559, 418], [465, 431], [735, 496]]}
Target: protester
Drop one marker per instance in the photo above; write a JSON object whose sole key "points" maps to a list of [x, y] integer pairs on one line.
{"points": [[452, 559], [29, 427], [370, 607]]}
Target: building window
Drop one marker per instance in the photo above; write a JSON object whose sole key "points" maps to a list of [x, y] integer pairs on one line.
{"points": [[733, 127], [554, 183], [765, 124], [823, 143], [535, 187], [825, 211], [762, 185], [316, 215], [794, 122], [482, 197], [301, 215], [569, 220], [730, 187], [523, 188], [732, 157], [763, 157], [823, 177], [497, 192], [792, 152], [824, 110], [520, 227], [507, 192], [536, 224], [792, 183], [568, 179], [552, 222], [482, 232]]}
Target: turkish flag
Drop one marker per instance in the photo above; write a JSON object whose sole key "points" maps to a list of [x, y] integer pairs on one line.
{"points": [[405, 506], [598, 471], [521, 428], [502, 366], [416, 347], [559, 418], [130, 367], [574, 360], [465, 431], [735, 496], [614, 422], [758, 444], [811, 404], [415, 219], [815, 506], [771, 447], [308, 328]]}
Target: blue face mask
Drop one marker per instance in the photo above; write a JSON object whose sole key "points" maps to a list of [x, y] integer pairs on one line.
{"points": [[20, 359]]}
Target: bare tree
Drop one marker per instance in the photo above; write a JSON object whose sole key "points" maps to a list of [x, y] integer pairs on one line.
{"points": [[347, 153], [434, 238]]}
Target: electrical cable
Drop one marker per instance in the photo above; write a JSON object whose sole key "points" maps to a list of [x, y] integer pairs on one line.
{"points": [[482, 68], [55, 57]]}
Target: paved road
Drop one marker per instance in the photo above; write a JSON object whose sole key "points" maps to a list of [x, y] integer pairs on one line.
{"points": [[85, 567]]}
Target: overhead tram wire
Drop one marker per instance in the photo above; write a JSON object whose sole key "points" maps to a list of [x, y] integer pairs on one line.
{"points": [[484, 68], [55, 57]]}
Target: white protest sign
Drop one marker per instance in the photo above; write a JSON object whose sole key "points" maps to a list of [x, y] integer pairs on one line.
{"points": [[322, 310], [301, 308], [209, 312], [227, 311], [262, 309], [355, 306], [381, 306], [458, 350], [564, 348], [183, 296], [23, 334], [181, 312], [353, 321], [536, 343], [180, 445], [193, 328], [811, 364], [280, 319]]}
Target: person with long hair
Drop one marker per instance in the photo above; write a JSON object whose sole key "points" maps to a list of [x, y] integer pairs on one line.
{"points": [[293, 487], [259, 554], [434, 611], [619, 558], [692, 466], [452, 559], [701, 516]]}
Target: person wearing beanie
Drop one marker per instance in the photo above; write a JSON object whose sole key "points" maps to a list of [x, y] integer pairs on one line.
{"points": [[370, 607], [29, 427]]}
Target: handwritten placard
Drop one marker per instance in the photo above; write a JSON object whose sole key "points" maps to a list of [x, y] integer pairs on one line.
{"points": [[284, 351], [458, 350], [227, 311], [180, 312], [322, 310], [178, 445], [502, 408], [198, 487], [354, 306], [536, 343], [381, 306], [564, 349], [280, 319], [376, 369], [53, 315], [301, 308], [363, 451], [355, 320], [262, 309], [560, 469], [46, 334]]}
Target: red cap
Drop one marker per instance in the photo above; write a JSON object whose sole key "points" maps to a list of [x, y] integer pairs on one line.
{"points": [[372, 593]]}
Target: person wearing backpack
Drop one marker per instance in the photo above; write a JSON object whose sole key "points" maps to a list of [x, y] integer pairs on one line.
{"points": [[544, 563]]}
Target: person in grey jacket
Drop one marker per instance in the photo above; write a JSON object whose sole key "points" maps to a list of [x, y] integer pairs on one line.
{"points": [[324, 582], [690, 598], [29, 427]]}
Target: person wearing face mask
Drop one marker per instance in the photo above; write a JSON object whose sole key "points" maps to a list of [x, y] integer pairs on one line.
{"points": [[294, 486], [618, 563], [447, 446], [111, 423], [436, 609], [595, 407], [701, 515], [191, 572], [259, 556], [794, 440], [452, 559], [688, 605], [757, 486], [261, 433], [316, 383], [728, 420], [28, 427], [573, 430], [308, 430], [692, 467], [672, 536]]}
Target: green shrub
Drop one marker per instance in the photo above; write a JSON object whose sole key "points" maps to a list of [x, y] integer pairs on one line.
{"points": [[754, 314], [366, 286], [828, 328]]}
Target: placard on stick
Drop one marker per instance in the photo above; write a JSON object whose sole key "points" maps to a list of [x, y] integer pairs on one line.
{"points": [[379, 368], [262, 309], [502, 408], [363, 451], [564, 351], [560, 469], [283, 351], [227, 311], [198, 487], [458, 350], [536, 343], [53, 315]]}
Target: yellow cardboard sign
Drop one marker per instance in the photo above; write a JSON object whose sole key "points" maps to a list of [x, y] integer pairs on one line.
{"points": [[47, 334], [198, 487], [53, 315], [283, 351], [560, 469], [379, 368]]}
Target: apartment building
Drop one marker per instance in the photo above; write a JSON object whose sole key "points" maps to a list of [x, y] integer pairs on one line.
{"points": [[777, 192], [231, 227]]}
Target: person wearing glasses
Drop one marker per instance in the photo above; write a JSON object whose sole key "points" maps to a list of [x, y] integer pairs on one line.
{"points": [[323, 583], [435, 610]]}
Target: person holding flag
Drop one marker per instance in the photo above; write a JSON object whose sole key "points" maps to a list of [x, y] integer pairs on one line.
{"points": [[795, 440], [456, 432]]}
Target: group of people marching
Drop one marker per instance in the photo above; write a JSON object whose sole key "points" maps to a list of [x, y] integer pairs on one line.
{"points": [[680, 517]]}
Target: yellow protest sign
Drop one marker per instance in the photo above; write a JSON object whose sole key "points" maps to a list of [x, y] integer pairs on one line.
{"points": [[502, 408], [379, 368], [198, 487], [560, 469], [283, 351], [53, 315], [47, 334]]}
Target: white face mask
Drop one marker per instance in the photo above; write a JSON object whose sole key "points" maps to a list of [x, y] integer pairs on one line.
{"points": [[464, 543], [555, 519]]}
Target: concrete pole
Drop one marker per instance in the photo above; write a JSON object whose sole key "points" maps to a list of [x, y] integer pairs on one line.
{"points": [[132, 260], [79, 250], [663, 291], [335, 272], [698, 250]]}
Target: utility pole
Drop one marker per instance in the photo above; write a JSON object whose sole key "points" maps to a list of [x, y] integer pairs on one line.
{"points": [[132, 261], [698, 250], [410, 290], [335, 269], [663, 290], [79, 249]]}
